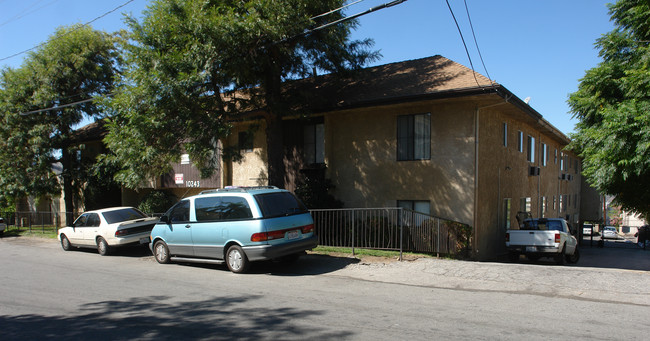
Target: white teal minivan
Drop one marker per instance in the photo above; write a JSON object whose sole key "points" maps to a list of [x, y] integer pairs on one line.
{"points": [[234, 226]]}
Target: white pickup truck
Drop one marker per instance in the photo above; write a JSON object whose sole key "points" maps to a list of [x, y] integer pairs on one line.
{"points": [[543, 237]]}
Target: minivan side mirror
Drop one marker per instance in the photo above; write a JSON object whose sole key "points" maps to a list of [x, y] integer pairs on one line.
{"points": [[164, 219]]}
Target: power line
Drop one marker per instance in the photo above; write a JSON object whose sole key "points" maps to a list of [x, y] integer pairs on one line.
{"points": [[464, 44], [336, 10], [27, 11], [476, 42], [373, 9], [71, 31]]}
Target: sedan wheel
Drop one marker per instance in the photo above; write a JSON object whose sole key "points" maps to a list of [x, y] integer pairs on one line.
{"points": [[161, 252], [65, 243], [102, 247], [236, 259]]}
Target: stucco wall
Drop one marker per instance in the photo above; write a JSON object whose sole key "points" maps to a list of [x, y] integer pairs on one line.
{"points": [[252, 169]]}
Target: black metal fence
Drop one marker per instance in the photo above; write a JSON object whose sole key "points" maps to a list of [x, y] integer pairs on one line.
{"points": [[391, 229], [34, 221]]}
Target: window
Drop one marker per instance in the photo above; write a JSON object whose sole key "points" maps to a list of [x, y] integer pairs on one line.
{"points": [[505, 134], [555, 157], [414, 137], [525, 204], [245, 141], [543, 201], [520, 141], [554, 203], [562, 203], [507, 202], [562, 162], [544, 154], [314, 143], [279, 204], [222, 208], [531, 149], [180, 212], [422, 206]]}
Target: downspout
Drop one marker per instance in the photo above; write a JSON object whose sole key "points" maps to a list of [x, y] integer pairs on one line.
{"points": [[476, 169]]}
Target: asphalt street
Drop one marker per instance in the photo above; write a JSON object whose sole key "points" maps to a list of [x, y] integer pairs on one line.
{"points": [[49, 294]]}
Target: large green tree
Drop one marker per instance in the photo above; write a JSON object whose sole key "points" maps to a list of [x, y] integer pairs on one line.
{"points": [[613, 107], [196, 65], [63, 75]]}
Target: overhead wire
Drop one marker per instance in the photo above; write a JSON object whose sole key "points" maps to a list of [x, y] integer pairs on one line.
{"points": [[69, 32], [373, 9], [27, 11], [464, 44], [476, 42]]}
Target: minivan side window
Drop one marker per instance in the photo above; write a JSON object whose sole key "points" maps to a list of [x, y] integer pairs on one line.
{"points": [[222, 208], [180, 212]]}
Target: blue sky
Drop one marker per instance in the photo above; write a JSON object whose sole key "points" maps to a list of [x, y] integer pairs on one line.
{"points": [[536, 49]]}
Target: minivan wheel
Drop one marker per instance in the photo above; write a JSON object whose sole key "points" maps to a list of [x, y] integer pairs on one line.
{"points": [[161, 252], [236, 259], [102, 247]]}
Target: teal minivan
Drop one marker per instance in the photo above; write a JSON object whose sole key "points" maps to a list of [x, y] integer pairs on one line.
{"points": [[236, 226]]}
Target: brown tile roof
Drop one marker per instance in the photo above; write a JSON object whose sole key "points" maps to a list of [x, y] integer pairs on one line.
{"points": [[407, 79]]}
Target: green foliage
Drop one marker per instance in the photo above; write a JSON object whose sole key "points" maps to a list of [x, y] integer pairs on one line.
{"points": [[613, 107], [76, 64], [194, 66], [314, 193], [157, 202]]}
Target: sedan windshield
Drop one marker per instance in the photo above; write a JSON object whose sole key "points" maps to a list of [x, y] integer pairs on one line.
{"points": [[123, 214]]}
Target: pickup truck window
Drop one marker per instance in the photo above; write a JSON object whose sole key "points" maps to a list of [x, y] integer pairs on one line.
{"points": [[555, 225]]}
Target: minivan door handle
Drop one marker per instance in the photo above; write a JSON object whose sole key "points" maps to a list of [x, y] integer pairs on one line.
{"points": [[188, 226]]}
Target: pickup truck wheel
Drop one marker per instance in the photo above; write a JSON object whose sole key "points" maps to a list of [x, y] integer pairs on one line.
{"points": [[560, 257], [574, 257]]}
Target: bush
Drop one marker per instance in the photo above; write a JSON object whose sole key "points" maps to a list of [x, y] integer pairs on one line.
{"points": [[157, 202]]}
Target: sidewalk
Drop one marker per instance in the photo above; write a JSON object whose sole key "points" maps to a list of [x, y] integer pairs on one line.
{"points": [[599, 284]]}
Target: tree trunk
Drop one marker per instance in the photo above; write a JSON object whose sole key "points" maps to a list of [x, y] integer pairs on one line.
{"points": [[275, 151], [68, 189]]}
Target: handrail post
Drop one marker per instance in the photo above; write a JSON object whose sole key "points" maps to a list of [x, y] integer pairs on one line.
{"points": [[353, 235], [401, 232]]}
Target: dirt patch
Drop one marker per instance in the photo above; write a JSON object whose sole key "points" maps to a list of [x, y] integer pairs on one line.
{"points": [[370, 259]]}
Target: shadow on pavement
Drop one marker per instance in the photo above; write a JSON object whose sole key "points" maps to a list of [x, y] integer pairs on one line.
{"points": [[163, 318]]}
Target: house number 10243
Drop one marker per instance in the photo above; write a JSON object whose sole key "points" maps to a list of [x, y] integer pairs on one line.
{"points": [[190, 183]]}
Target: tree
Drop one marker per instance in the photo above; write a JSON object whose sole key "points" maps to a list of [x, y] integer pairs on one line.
{"points": [[613, 107], [194, 66], [75, 65]]}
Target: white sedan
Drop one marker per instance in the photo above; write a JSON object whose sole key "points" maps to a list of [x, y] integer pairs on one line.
{"points": [[107, 228], [610, 232]]}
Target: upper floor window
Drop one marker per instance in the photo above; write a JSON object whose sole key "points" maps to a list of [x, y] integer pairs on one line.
{"points": [[520, 141], [245, 141], [531, 149], [544, 154], [314, 143], [505, 134], [414, 137]]}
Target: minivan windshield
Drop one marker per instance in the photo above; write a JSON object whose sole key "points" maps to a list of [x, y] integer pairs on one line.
{"points": [[279, 204]]}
